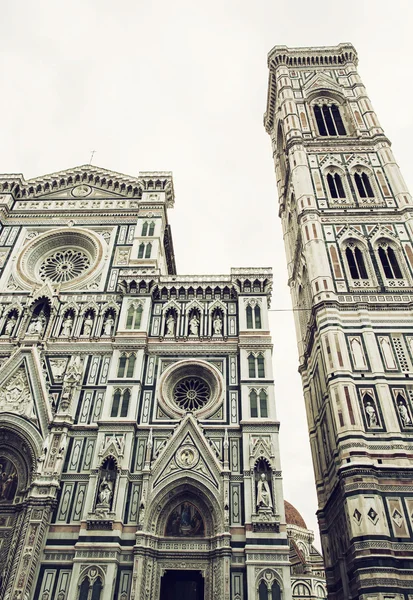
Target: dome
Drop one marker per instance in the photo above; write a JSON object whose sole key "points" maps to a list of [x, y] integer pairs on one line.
{"points": [[292, 516]]}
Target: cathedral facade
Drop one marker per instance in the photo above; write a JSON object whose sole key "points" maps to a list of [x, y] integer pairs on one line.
{"points": [[138, 433], [347, 221]]}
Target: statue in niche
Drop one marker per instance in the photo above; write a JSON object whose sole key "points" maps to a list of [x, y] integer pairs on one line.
{"points": [[105, 492], [217, 324], [10, 325], [194, 325], [106, 484], [67, 325], [371, 414], [403, 412], [108, 325], [8, 480], [170, 325], [88, 324], [37, 324], [264, 500]]}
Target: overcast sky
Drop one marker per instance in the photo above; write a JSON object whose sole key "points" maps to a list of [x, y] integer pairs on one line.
{"points": [[181, 86]]}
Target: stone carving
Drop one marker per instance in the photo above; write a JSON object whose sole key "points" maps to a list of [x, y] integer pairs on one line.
{"points": [[264, 499], [58, 366], [170, 325], [15, 395], [88, 324], [10, 325], [187, 456], [37, 324], [404, 413], [371, 414], [217, 325], [108, 325], [67, 326], [194, 325], [105, 492], [72, 379], [8, 480]]}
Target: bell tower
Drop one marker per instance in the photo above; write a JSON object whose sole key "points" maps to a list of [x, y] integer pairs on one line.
{"points": [[347, 224]]}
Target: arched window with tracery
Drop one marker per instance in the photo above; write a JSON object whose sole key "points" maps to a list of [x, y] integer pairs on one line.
{"points": [[356, 263], [335, 186], [329, 120], [134, 316], [91, 586], [120, 403], [363, 184], [126, 365], [253, 314], [389, 261]]}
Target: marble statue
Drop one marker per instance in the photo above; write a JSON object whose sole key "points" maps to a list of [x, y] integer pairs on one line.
{"points": [[170, 325], [217, 325], [67, 326], [108, 325], [10, 325], [194, 325], [263, 493], [88, 324]]}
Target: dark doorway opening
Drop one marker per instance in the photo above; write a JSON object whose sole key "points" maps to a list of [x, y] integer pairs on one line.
{"points": [[180, 585]]}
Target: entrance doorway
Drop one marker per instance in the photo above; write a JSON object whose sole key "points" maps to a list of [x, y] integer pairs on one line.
{"points": [[180, 585]]}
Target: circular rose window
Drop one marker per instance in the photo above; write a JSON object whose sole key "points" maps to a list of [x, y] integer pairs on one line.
{"points": [[190, 385], [69, 257], [64, 265], [191, 393]]}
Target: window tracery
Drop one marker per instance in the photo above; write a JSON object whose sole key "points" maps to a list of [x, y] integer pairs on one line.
{"points": [[126, 365], [120, 402], [258, 403], [134, 316], [328, 118], [253, 314], [256, 366]]}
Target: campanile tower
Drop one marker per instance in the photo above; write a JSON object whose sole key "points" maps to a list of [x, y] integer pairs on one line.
{"points": [[347, 222]]}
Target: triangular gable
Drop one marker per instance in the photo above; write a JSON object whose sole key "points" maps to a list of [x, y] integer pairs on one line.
{"points": [[23, 390], [320, 81], [187, 453]]}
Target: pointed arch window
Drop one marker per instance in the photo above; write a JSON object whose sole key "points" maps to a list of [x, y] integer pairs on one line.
{"points": [[253, 314], [145, 229], [141, 250], [151, 228], [126, 365], [134, 316], [148, 250], [329, 121], [84, 589], [253, 403], [256, 366], [263, 404], [389, 262], [355, 261], [335, 185], [363, 184], [120, 403], [249, 318]]}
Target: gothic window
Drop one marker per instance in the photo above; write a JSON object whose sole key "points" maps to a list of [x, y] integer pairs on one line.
{"points": [[145, 229], [389, 262], [258, 404], [260, 366], [329, 121], [134, 316], [253, 403], [256, 367], [335, 185], [263, 404], [126, 365], [275, 591], [363, 184], [262, 591], [84, 589], [151, 229], [120, 403], [148, 250], [141, 250], [253, 316], [251, 365], [96, 589], [355, 262]]}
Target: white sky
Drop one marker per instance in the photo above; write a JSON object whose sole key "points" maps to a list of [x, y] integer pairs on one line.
{"points": [[181, 86]]}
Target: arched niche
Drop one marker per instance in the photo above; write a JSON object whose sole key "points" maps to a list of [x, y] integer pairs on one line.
{"points": [[194, 497]]}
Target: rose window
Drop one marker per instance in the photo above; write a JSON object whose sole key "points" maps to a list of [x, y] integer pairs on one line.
{"points": [[64, 265], [191, 393]]}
